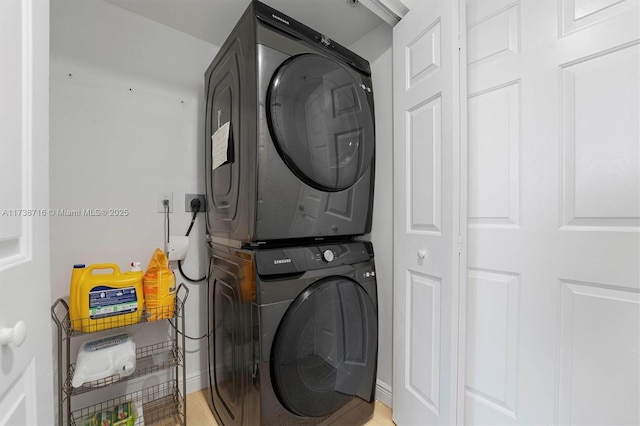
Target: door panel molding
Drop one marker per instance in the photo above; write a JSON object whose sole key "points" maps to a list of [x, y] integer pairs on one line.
{"points": [[429, 229]]}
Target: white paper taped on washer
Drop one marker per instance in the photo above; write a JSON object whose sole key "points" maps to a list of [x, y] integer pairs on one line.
{"points": [[220, 146]]}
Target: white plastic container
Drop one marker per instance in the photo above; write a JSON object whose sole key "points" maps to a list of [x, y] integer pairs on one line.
{"points": [[101, 358]]}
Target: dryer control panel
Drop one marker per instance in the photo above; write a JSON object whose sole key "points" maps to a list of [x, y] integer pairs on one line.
{"points": [[293, 28]]}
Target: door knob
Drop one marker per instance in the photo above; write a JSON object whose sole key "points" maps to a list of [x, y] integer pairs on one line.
{"points": [[422, 253], [15, 335]]}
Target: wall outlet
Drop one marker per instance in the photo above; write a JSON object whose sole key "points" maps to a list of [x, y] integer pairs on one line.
{"points": [[187, 202], [165, 196]]}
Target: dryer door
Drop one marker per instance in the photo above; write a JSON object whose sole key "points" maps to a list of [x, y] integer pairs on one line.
{"points": [[325, 350], [320, 114]]}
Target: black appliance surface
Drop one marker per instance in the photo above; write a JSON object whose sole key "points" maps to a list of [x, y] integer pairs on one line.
{"points": [[293, 334], [300, 160]]}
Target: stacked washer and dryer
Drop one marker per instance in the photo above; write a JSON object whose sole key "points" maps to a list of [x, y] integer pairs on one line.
{"points": [[292, 308]]}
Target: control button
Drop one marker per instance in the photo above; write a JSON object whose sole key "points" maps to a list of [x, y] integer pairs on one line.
{"points": [[328, 255], [367, 274], [373, 273]]}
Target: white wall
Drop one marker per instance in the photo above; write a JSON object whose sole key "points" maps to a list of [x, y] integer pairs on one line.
{"points": [[126, 123], [376, 47]]}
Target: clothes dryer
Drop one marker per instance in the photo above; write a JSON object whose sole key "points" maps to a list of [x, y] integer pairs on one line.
{"points": [[290, 141], [293, 334]]}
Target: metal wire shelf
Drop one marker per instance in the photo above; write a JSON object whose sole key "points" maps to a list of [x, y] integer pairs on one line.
{"points": [[149, 359], [157, 405], [82, 326]]}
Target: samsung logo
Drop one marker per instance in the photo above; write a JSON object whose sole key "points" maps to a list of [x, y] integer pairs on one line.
{"points": [[281, 261], [284, 21]]}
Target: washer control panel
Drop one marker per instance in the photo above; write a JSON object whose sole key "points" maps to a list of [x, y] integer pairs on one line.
{"points": [[312, 257]]}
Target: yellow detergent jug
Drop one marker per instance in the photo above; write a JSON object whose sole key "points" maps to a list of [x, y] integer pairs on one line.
{"points": [[98, 301]]}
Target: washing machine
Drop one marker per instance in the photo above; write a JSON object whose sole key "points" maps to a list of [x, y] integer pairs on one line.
{"points": [[293, 334], [290, 141]]}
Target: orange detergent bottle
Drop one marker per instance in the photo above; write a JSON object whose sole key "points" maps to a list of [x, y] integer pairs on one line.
{"points": [[99, 300], [159, 284]]}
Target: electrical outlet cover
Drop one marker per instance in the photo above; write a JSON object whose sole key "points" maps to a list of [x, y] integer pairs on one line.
{"points": [[187, 202], [165, 196]]}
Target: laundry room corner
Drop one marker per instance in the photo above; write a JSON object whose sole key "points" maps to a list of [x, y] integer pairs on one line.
{"points": [[376, 47], [126, 124]]}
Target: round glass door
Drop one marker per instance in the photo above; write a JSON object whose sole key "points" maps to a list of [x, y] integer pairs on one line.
{"points": [[325, 349], [321, 119]]}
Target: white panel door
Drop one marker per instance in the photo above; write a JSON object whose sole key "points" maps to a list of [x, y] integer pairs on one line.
{"points": [[26, 382], [426, 214], [553, 317]]}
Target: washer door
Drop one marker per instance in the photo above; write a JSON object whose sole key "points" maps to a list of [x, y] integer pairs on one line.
{"points": [[325, 350], [320, 114]]}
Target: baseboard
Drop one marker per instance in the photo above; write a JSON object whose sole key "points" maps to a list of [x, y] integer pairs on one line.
{"points": [[384, 393], [197, 381]]}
